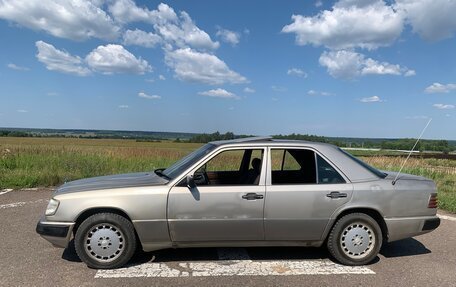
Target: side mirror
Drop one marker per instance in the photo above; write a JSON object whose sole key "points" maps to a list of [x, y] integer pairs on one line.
{"points": [[190, 182]]}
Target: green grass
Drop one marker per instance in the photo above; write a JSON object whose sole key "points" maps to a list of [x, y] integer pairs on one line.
{"points": [[32, 162], [39, 162]]}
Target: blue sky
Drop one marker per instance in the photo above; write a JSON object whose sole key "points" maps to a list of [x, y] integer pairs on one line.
{"points": [[360, 68]]}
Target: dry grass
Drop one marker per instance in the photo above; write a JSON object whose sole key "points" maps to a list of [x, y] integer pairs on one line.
{"points": [[442, 171]]}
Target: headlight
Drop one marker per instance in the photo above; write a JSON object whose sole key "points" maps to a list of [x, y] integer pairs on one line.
{"points": [[52, 207]]}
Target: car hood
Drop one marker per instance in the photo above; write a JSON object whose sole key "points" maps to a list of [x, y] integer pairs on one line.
{"points": [[112, 181]]}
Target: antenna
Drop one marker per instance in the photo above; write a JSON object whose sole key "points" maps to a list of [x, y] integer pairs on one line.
{"points": [[397, 175]]}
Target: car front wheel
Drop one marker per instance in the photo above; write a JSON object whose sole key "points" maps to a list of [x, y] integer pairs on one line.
{"points": [[105, 241], [355, 239]]}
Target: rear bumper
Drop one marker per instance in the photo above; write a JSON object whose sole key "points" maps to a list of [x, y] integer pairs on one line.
{"points": [[57, 233], [405, 227]]}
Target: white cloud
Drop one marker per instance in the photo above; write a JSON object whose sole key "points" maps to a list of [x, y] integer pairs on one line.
{"points": [[22, 111], [278, 89], [76, 20], [440, 88], [123, 107], [318, 3], [432, 19], [416, 117], [410, 73], [228, 36], [149, 97], [112, 58], [347, 64], [60, 61], [297, 72], [365, 24], [319, 93], [141, 38], [249, 90], [126, 11], [185, 33], [107, 59], [373, 99], [17, 68], [219, 93], [161, 78], [176, 31], [443, 106], [190, 65]]}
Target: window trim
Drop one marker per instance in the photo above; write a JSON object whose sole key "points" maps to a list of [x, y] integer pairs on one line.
{"points": [[269, 167]]}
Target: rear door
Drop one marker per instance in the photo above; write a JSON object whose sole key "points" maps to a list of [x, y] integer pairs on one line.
{"points": [[303, 190]]}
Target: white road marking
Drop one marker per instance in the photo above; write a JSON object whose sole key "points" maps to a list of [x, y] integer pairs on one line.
{"points": [[19, 204], [4, 191], [234, 268], [447, 217], [233, 262]]}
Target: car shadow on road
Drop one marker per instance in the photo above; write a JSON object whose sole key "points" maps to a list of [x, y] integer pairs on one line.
{"points": [[405, 247], [212, 254], [253, 253], [70, 254]]}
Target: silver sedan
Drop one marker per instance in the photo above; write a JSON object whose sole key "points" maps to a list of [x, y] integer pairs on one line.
{"points": [[245, 192]]}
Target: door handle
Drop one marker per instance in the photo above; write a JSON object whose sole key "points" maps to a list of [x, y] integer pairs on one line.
{"points": [[252, 196], [336, 194]]}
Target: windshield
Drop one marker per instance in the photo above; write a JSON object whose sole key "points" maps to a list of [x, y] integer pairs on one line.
{"points": [[183, 164], [365, 165]]}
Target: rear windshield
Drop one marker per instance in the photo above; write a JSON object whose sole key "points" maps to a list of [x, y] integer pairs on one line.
{"points": [[365, 165]]}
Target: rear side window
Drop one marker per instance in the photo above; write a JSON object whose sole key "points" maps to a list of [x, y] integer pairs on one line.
{"points": [[326, 173], [293, 166]]}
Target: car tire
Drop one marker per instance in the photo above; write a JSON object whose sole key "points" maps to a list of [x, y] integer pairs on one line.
{"points": [[105, 241], [355, 239]]}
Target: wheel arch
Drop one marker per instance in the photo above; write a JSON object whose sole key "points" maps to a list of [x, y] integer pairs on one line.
{"points": [[372, 212], [95, 210]]}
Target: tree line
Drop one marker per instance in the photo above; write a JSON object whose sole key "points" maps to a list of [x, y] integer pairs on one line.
{"points": [[396, 144], [393, 144]]}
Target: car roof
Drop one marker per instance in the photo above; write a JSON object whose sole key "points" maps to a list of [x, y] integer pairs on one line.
{"points": [[269, 141]]}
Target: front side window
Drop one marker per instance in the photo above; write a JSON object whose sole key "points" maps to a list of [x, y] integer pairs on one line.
{"points": [[231, 167], [180, 166]]}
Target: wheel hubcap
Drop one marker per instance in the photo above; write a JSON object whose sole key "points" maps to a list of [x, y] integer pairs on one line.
{"points": [[104, 242], [357, 240]]}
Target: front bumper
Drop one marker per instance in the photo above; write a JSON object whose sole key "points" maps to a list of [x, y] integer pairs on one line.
{"points": [[58, 233], [405, 227]]}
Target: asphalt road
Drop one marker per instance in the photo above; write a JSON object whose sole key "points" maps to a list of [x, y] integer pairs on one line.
{"points": [[28, 260]]}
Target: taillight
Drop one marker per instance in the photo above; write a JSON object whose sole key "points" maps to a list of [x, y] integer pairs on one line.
{"points": [[433, 201]]}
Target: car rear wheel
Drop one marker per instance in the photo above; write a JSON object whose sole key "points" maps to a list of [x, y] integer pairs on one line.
{"points": [[355, 239], [105, 241]]}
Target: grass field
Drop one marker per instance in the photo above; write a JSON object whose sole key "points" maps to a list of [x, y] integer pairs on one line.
{"points": [[36, 162]]}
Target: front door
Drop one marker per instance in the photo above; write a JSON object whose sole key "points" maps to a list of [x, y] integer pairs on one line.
{"points": [[227, 202], [303, 191]]}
